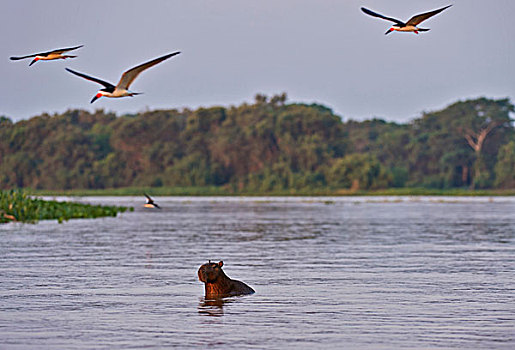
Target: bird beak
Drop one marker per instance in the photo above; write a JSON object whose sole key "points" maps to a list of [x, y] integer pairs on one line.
{"points": [[388, 31], [96, 97], [33, 61]]}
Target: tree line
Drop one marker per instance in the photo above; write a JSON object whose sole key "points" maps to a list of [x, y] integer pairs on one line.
{"points": [[265, 146]]}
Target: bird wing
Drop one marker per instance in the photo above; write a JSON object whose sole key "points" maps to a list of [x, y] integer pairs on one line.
{"points": [[374, 14], [58, 51], [96, 80], [129, 76], [149, 200], [423, 16], [15, 58], [63, 50]]}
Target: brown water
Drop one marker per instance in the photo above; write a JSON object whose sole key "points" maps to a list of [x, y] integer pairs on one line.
{"points": [[358, 273]]}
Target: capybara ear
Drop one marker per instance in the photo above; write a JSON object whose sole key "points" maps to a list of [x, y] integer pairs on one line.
{"points": [[220, 263]]}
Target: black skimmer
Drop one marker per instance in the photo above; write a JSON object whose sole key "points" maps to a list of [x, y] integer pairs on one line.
{"points": [[47, 56], [411, 24], [122, 88], [150, 202]]}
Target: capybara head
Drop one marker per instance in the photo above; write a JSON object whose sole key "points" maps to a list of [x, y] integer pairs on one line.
{"points": [[209, 273]]}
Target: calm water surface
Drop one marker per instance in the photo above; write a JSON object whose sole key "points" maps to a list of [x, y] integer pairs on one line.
{"points": [[357, 273]]}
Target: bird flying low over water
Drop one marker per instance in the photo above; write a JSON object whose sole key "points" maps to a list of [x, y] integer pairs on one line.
{"points": [[47, 56], [410, 25], [122, 88], [150, 202]]}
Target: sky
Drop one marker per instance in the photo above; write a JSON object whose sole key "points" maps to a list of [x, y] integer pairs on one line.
{"points": [[317, 51]]}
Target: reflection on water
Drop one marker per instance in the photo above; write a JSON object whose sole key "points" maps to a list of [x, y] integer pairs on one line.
{"points": [[211, 307], [214, 307], [329, 273]]}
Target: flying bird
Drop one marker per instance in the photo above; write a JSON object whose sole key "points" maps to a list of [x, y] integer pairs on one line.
{"points": [[122, 88], [150, 202], [410, 25], [47, 56]]}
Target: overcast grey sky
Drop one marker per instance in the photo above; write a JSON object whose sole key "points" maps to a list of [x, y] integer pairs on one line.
{"points": [[324, 51]]}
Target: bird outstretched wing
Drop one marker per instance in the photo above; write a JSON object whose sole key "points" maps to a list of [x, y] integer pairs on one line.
{"points": [[129, 76], [96, 80], [375, 14], [417, 19], [15, 58], [65, 49]]}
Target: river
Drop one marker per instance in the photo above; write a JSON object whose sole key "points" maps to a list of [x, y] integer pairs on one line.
{"points": [[351, 272]]}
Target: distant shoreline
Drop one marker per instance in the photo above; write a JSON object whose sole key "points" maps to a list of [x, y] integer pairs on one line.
{"points": [[222, 191]]}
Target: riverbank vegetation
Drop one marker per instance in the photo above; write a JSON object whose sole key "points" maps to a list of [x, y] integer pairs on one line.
{"points": [[222, 191], [267, 147], [17, 206]]}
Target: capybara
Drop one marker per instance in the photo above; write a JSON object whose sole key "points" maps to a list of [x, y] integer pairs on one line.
{"points": [[218, 284]]}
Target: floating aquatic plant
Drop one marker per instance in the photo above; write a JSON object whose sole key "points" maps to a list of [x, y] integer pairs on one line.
{"points": [[17, 206]]}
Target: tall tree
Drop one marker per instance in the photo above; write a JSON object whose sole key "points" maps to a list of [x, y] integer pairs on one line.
{"points": [[479, 121], [481, 126]]}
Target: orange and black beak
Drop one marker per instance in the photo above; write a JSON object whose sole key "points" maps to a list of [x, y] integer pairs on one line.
{"points": [[96, 97]]}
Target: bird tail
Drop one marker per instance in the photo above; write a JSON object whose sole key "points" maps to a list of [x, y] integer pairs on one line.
{"points": [[68, 56]]}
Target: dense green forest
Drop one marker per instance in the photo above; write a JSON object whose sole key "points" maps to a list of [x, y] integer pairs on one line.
{"points": [[269, 145]]}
